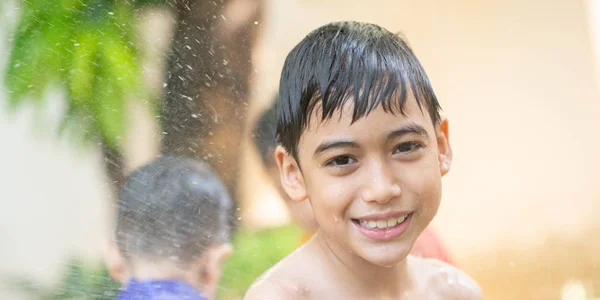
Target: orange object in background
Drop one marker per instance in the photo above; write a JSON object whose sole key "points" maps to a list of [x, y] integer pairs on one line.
{"points": [[429, 245]]}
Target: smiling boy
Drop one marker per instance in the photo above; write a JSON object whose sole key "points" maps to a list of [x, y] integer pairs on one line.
{"points": [[428, 245], [362, 139]]}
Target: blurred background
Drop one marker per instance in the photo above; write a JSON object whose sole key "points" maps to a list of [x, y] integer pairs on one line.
{"points": [[93, 89]]}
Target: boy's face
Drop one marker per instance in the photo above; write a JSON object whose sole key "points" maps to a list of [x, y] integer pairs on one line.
{"points": [[374, 185]]}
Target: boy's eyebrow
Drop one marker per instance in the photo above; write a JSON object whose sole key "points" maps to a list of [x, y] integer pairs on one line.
{"points": [[332, 144], [341, 143], [408, 129]]}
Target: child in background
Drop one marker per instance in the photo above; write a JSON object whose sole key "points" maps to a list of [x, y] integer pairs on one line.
{"points": [[265, 141], [171, 232]]}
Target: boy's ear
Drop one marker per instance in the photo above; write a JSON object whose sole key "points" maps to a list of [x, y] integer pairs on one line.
{"points": [[444, 149], [115, 262], [211, 265], [290, 175]]}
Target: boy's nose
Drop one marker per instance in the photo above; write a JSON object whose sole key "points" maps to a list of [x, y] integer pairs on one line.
{"points": [[380, 186]]}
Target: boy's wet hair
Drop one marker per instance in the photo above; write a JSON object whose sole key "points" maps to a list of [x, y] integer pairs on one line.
{"points": [[172, 208], [348, 61], [264, 135]]}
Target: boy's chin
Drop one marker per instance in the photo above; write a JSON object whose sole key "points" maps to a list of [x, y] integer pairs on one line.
{"points": [[385, 256]]}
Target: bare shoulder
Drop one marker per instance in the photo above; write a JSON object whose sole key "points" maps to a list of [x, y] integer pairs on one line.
{"points": [[285, 280], [278, 286], [270, 289], [451, 282]]}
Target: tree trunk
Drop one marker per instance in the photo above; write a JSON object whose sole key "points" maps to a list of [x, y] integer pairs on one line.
{"points": [[208, 75]]}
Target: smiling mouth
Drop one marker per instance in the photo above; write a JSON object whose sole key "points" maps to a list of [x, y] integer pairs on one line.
{"points": [[382, 224]]}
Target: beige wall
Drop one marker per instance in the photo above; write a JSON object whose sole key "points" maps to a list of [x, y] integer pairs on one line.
{"points": [[516, 80], [54, 201]]}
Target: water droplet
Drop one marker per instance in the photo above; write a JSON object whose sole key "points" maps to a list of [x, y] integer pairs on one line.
{"points": [[304, 291]]}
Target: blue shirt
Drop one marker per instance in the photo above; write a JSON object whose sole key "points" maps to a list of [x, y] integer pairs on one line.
{"points": [[159, 290]]}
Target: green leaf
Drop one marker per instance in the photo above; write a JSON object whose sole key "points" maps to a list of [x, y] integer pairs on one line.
{"points": [[86, 47], [38, 51], [22, 66], [153, 2], [101, 285], [109, 109], [80, 82], [73, 282], [120, 63]]}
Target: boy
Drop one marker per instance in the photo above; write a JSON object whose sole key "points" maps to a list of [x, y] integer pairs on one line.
{"points": [[427, 245], [171, 232], [362, 139]]}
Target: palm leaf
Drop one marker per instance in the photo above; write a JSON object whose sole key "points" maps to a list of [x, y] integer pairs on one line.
{"points": [[85, 47]]}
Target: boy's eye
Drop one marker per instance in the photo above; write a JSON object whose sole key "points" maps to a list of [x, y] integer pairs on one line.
{"points": [[408, 147], [340, 161]]}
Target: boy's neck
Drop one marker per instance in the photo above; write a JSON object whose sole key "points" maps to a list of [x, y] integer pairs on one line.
{"points": [[372, 279], [162, 270]]}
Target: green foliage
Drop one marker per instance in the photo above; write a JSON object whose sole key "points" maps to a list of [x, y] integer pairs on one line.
{"points": [[80, 281], [85, 47], [254, 253], [154, 2]]}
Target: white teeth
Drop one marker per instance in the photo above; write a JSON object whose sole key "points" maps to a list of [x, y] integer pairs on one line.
{"points": [[401, 219], [383, 224], [392, 222]]}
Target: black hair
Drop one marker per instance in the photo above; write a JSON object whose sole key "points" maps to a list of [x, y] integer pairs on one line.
{"points": [[348, 60], [264, 135], [172, 208]]}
